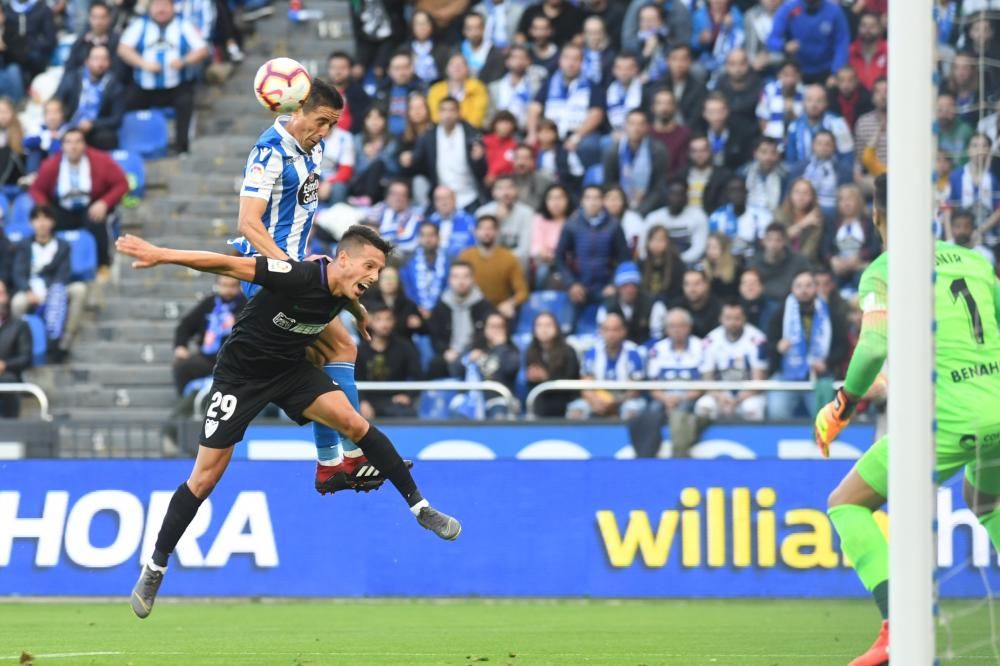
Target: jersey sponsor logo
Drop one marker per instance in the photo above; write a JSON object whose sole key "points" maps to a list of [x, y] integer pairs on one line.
{"points": [[309, 192], [211, 425], [286, 323], [974, 371], [278, 266], [263, 154]]}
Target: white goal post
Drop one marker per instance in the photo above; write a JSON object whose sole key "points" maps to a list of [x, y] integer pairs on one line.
{"points": [[911, 145]]}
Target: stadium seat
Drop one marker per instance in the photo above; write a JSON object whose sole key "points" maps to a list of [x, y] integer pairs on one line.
{"points": [[594, 175], [82, 254], [20, 213], [556, 302], [4, 207], [435, 405], [39, 338], [144, 133], [586, 323], [135, 172]]}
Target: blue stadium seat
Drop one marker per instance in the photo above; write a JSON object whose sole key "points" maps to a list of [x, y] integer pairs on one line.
{"points": [[39, 338], [135, 171], [145, 133], [556, 302], [20, 213], [586, 323], [82, 254], [435, 405], [4, 207], [594, 175]]}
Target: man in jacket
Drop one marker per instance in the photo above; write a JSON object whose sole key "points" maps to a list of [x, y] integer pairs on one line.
{"points": [[15, 353], [82, 185], [638, 163], [387, 357], [93, 99], [456, 321]]}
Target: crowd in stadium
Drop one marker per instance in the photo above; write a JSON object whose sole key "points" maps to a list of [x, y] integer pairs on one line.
{"points": [[650, 189]]}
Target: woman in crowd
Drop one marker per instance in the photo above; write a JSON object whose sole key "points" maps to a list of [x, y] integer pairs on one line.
{"points": [[549, 357], [751, 297], [802, 216], [633, 226], [663, 269], [555, 209], [428, 54], [389, 291], [374, 154], [851, 241], [721, 266]]}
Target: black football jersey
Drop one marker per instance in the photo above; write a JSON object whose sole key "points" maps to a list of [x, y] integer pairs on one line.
{"points": [[282, 319]]}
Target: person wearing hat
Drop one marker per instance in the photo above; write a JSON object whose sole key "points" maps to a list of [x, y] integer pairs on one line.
{"points": [[630, 302]]}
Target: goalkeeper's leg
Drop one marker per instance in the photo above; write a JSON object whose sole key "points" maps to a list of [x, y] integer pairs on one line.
{"points": [[851, 508], [981, 489]]}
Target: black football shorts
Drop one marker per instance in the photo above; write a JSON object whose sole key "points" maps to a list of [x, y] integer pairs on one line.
{"points": [[234, 401]]}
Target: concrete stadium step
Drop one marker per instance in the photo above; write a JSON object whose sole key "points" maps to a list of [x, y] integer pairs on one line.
{"points": [[214, 229], [142, 288], [155, 309], [183, 242], [121, 415], [152, 397], [130, 330], [126, 376], [122, 352], [211, 184]]}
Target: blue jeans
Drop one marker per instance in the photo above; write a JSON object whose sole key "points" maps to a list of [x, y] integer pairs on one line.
{"points": [[785, 405], [11, 82]]}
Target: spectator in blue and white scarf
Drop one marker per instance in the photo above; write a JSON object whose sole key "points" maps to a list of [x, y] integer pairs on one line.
{"points": [[425, 275], [209, 323], [94, 99]]}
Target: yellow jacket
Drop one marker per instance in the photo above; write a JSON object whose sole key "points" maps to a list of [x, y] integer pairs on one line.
{"points": [[472, 108]]}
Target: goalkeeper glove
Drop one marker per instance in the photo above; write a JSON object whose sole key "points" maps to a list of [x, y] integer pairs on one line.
{"points": [[833, 418]]}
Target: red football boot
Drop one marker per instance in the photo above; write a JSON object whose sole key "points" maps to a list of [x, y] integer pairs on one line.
{"points": [[878, 653], [347, 475]]}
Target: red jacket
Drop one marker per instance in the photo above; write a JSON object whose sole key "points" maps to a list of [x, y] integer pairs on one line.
{"points": [[499, 155], [869, 71], [107, 180]]}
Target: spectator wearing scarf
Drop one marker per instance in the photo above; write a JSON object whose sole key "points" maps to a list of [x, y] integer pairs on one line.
{"points": [[639, 165], [800, 345], [624, 93], [425, 275], [714, 34], [824, 171], [209, 323], [94, 99], [83, 185], [486, 61], [29, 32]]}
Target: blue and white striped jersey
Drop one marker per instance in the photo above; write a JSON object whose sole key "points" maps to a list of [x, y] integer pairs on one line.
{"points": [[162, 44], [283, 174]]}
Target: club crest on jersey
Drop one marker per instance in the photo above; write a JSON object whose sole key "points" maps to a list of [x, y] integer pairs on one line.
{"points": [[284, 322], [211, 425], [278, 266], [309, 192]]}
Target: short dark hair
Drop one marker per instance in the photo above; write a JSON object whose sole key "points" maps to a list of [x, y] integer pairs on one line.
{"points": [[592, 186], [733, 303], [428, 223], [460, 263], [777, 227], [628, 55], [378, 307], [341, 55], [400, 181], [323, 94], [681, 46], [42, 210], [503, 116], [448, 100], [825, 132], [75, 130], [358, 235], [637, 111], [766, 140], [101, 4], [489, 218], [963, 213], [475, 15]]}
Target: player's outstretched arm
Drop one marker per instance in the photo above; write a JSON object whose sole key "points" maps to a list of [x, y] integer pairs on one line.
{"points": [[147, 255]]}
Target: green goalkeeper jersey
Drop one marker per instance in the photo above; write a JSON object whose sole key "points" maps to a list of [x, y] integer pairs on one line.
{"points": [[967, 337]]}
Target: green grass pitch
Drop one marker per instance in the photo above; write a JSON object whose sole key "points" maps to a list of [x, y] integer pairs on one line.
{"points": [[518, 633]]}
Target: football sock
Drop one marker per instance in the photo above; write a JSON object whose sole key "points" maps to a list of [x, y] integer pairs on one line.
{"points": [[991, 521], [383, 455], [331, 446], [863, 543], [180, 512]]}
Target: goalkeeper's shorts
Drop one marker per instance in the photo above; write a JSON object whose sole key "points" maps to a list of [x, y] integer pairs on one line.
{"points": [[978, 452]]}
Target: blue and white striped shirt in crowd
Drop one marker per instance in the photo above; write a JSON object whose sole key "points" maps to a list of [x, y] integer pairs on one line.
{"points": [[771, 109], [200, 14], [283, 174], [162, 44], [627, 364]]}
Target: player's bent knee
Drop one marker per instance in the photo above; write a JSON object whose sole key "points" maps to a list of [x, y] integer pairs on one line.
{"points": [[334, 411], [982, 504]]}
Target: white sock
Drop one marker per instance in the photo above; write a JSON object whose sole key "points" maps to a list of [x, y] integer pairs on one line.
{"points": [[418, 506], [155, 567]]}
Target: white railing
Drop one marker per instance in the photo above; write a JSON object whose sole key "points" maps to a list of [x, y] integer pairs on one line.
{"points": [[33, 390], [647, 385], [401, 387]]}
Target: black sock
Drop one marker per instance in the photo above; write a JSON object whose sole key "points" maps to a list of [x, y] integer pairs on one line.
{"points": [[881, 594], [383, 455], [180, 512]]}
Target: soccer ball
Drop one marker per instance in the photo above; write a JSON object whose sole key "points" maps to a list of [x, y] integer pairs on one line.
{"points": [[282, 85]]}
